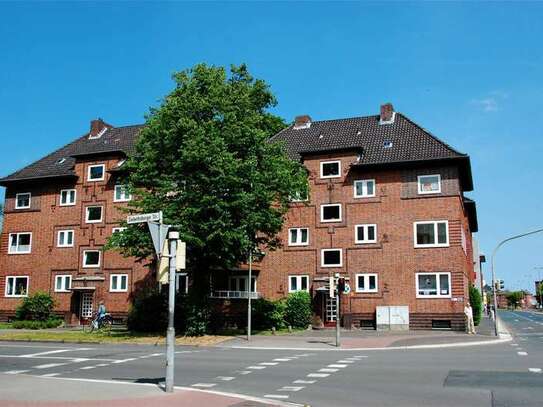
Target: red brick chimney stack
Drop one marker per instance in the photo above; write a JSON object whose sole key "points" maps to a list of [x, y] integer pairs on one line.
{"points": [[387, 113], [302, 122], [97, 126]]}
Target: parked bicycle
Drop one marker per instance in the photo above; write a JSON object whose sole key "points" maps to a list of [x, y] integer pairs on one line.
{"points": [[100, 323]]}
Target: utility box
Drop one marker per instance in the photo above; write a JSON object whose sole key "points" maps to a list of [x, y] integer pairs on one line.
{"points": [[392, 318]]}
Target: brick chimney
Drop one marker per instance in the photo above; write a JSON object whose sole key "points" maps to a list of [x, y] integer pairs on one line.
{"points": [[302, 122], [98, 127], [387, 114]]}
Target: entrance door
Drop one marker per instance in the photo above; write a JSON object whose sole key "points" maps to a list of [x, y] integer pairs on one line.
{"points": [[86, 306], [331, 309]]}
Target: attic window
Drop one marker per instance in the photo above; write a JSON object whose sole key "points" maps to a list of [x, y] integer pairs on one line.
{"points": [[61, 160], [387, 144]]}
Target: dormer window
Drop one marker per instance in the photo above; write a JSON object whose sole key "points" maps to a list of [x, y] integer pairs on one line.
{"points": [[96, 172], [99, 134], [330, 169]]}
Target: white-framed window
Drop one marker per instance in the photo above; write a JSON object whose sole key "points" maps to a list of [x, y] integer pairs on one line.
{"points": [[367, 283], [331, 258], [298, 283], [364, 188], [431, 233], [182, 283], [68, 197], [20, 243], [118, 283], [330, 169], [433, 285], [300, 196], [23, 200], [96, 172], [331, 213], [92, 258], [365, 233], [94, 214], [17, 286], [298, 236], [429, 184], [117, 230], [63, 283], [65, 238], [240, 283], [122, 194]]}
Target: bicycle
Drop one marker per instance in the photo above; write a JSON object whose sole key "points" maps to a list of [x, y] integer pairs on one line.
{"points": [[99, 323]]}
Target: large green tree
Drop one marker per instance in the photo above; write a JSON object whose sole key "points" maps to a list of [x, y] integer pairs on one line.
{"points": [[205, 159]]}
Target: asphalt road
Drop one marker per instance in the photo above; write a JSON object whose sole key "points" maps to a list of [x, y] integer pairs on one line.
{"points": [[506, 374]]}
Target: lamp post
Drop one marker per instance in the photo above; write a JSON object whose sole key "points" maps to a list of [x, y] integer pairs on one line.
{"points": [[540, 288], [533, 232]]}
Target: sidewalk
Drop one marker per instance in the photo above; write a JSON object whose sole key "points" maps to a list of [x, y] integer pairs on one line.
{"points": [[14, 392], [362, 339]]}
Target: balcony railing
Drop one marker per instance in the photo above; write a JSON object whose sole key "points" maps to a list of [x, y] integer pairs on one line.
{"points": [[234, 294]]}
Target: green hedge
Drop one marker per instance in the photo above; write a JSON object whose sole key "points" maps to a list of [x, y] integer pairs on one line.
{"points": [[36, 307], [50, 323], [298, 309], [268, 314], [476, 304]]}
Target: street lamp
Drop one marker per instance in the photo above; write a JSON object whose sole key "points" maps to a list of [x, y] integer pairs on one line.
{"points": [[540, 288], [494, 274]]}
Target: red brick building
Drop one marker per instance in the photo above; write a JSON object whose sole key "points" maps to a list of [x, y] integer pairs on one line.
{"points": [[386, 209]]}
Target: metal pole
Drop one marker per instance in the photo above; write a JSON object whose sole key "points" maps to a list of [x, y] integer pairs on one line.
{"points": [[494, 274], [539, 286], [250, 295], [338, 307], [170, 336]]}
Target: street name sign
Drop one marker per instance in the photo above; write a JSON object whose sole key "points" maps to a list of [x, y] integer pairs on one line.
{"points": [[144, 217]]}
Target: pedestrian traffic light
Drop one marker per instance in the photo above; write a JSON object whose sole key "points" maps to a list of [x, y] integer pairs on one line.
{"points": [[502, 285]]}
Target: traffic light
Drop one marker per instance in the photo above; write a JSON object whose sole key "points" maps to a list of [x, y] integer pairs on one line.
{"points": [[502, 285], [341, 285], [499, 284]]}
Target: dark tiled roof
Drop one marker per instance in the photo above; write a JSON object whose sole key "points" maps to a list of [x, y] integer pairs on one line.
{"points": [[61, 162], [410, 142]]}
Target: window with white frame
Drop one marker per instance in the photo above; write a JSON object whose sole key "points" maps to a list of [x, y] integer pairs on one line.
{"points": [[23, 200], [298, 283], [298, 236], [16, 286], [94, 214], [429, 184], [331, 258], [67, 197], [365, 233], [122, 194], [300, 196], [63, 283], [96, 172], [65, 238], [20, 243], [330, 169], [431, 234], [366, 283], [91, 258], [118, 283], [331, 213], [117, 230], [240, 283], [364, 188], [433, 285], [182, 283]]}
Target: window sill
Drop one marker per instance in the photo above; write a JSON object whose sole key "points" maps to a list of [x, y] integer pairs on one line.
{"points": [[432, 246], [19, 253]]}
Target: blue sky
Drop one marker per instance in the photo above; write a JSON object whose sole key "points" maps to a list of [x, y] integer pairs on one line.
{"points": [[469, 72]]}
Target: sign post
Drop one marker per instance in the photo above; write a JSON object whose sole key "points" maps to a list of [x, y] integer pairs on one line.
{"points": [[338, 335], [170, 335]]}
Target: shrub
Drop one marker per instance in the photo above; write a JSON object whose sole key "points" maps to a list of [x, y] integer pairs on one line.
{"points": [[49, 323], [298, 309], [476, 304], [36, 307], [268, 314]]}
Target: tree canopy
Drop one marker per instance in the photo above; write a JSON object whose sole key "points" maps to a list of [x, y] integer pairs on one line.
{"points": [[205, 159]]}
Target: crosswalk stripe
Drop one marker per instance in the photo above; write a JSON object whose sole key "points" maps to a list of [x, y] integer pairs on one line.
{"points": [[204, 385], [318, 375], [49, 365]]}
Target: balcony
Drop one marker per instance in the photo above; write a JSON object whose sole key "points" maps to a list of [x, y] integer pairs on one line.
{"points": [[230, 295]]}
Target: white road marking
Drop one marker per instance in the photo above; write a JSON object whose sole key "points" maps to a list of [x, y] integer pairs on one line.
{"points": [[88, 367], [49, 365], [303, 355], [268, 363], [522, 353], [275, 396], [256, 367], [304, 381], [514, 344], [327, 370], [225, 378], [282, 360], [102, 364], [338, 366], [124, 360], [204, 385], [50, 375], [361, 356], [244, 372], [291, 388], [345, 361], [51, 352], [535, 370], [318, 375], [16, 371]]}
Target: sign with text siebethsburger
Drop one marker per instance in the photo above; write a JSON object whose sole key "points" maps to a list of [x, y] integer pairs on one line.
{"points": [[144, 217]]}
